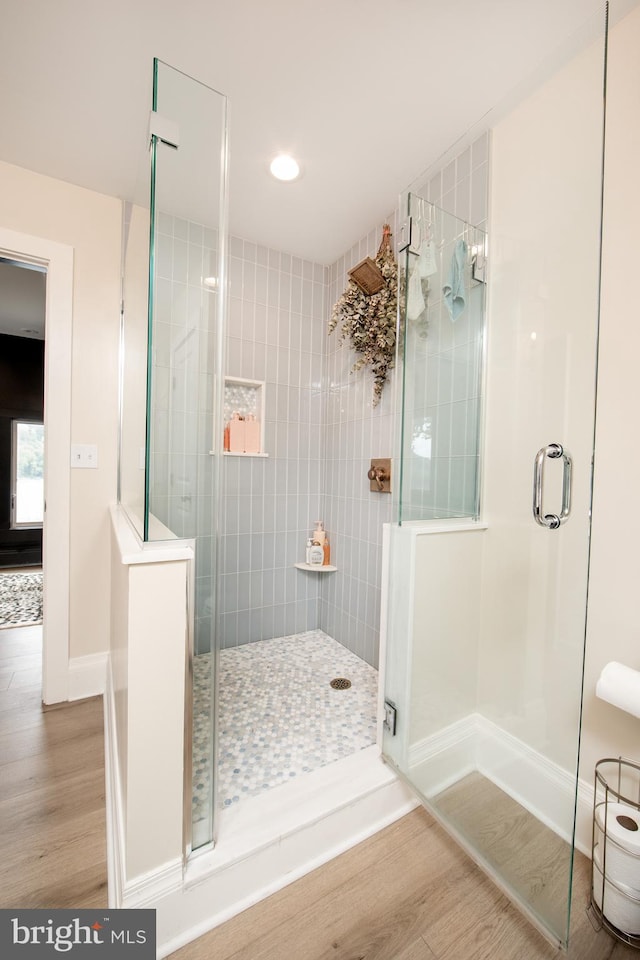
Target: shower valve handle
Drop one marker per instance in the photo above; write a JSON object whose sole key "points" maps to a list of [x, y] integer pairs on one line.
{"points": [[379, 475]]}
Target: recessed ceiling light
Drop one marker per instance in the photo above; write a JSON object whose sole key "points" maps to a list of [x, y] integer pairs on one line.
{"points": [[284, 167]]}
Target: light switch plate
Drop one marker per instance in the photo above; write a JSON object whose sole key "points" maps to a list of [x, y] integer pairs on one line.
{"points": [[84, 456]]}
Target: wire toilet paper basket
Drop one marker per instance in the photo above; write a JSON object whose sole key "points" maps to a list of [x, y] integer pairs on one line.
{"points": [[615, 850]]}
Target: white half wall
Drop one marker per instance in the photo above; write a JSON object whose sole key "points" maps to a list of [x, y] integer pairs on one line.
{"points": [[150, 636]]}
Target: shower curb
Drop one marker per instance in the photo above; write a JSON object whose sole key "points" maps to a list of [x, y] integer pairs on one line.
{"points": [[212, 894]]}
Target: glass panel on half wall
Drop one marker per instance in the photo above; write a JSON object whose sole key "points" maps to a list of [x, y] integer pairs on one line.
{"points": [[187, 258], [443, 339]]}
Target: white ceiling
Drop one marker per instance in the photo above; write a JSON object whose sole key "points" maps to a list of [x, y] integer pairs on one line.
{"points": [[366, 93]]}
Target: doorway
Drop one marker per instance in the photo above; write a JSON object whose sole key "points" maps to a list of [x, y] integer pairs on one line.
{"points": [[22, 347], [54, 263], [22, 350]]}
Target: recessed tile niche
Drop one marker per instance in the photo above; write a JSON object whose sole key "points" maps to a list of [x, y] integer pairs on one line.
{"points": [[243, 417]]}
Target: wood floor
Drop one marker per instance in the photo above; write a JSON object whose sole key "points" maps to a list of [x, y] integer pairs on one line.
{"points": [[52, 798], [408, 893], [533, 860]]}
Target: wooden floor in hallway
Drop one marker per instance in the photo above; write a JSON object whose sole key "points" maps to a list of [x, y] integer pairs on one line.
{"points": [[52, 793], [407, 893]]}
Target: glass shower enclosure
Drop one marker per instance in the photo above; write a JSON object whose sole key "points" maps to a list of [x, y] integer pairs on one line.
{"points": [[489, 552], [174, 237]]}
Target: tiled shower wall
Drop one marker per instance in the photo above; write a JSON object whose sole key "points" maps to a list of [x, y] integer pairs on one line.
{"points": [[182, 477], [275, 334], [442, 388], [443, 382], [354, 432], [321, 430], [461, 186]]}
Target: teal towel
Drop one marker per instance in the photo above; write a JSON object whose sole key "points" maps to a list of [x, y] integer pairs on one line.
{"points": [[453, 290]]}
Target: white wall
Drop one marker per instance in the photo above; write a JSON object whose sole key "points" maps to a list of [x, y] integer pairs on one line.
{"points": [[90, 223], [614, 617]]}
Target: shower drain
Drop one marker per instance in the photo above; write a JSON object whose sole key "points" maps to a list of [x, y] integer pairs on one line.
{"points": [[340, 683]]}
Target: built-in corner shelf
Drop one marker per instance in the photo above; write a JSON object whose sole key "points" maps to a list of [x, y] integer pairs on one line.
{"points": [[316, 567]]}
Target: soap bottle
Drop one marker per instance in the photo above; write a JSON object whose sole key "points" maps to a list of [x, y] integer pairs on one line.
{"points": [[316, 555], [236, 433], [319, 534], [326, 550], [251, 434]]}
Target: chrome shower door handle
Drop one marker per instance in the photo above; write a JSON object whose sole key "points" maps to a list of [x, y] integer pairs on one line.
{"points": [[551, 520]]}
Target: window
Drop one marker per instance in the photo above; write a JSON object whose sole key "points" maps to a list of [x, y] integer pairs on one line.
{"points": [[27, 472]]}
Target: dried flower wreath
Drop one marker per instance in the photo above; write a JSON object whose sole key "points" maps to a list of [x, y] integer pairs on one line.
{"points": [[369, 321]]}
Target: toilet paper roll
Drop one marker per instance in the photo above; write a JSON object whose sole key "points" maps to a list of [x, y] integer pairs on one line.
{"points": [[620, 686], [618, 904], [623, 824], [623, 844]]}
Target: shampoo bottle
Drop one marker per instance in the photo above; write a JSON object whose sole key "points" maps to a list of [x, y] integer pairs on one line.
{"points": [[251, 434], [316, 555], [326, 550]]}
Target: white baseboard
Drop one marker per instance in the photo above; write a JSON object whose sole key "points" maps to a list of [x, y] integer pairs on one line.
{"points": [[150, 888], [87, 676], [447, 756], [538, 784]]}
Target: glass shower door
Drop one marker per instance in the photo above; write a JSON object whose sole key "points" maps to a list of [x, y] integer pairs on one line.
{"points": [[487, 597]]}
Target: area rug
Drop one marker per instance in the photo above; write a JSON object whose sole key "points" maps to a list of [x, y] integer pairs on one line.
{"points": [[20, 599]]}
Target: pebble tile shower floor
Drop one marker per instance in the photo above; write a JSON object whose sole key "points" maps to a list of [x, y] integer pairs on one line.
{"points": [[279, 718]]}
